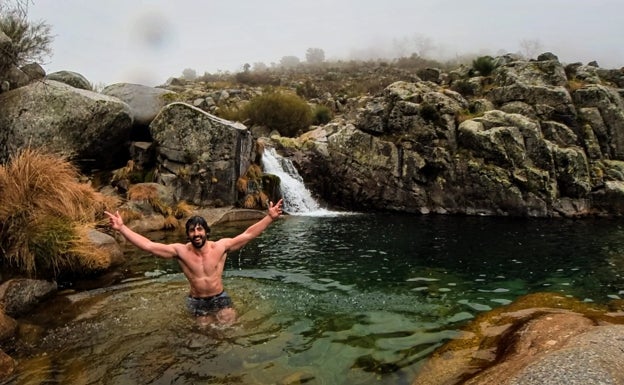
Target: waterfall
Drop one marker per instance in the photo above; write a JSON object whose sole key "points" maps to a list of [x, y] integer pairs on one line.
{"points": [[297, 199]]}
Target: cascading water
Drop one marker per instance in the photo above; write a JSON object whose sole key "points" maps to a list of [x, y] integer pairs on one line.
{"points": [[297, 198]]}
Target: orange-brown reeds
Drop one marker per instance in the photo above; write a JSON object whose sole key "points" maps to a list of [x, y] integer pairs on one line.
{"points": [[249, 202], [241, 184], [182, 209], [149, 192], [142, 191], [171, 223], [42, 201]]}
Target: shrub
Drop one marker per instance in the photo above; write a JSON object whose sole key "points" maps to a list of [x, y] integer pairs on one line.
{"points": [[321, 115], [286, 113], [182, 209], [30, 41], [308, 90], [149, 193], [464, 87], [256, 78], [575, 84], [44, 214], [241, 184], [231, 113], [485, 65]]}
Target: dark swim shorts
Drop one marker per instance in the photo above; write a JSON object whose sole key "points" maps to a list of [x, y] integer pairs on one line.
{"points": [[208, 305]]}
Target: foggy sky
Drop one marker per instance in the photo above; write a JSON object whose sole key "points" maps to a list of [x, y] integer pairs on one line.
{"points": [[149, 41]]}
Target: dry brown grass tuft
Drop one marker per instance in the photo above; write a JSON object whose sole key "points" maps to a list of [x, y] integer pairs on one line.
{"points": [[254, 172], [160, 207], [142, 192], [40, 181], [182, 209], [90, 258], [124, 172], [241, 185], [149, 193], [171, 223], [129, 215], [575, 84], [42, 204], [262, 200], [249, 202]]}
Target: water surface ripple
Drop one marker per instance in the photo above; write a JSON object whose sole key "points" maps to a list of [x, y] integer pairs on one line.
{"points": [[353, 299]]}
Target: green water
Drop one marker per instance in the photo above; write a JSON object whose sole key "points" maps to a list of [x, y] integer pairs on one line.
{"points": [[355, 299]]}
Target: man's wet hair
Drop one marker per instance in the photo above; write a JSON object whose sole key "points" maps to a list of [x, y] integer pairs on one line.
{"points": [[195, 220]]}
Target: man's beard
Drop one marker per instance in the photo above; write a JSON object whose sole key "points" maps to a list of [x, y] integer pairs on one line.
{"points": [[198, 242]]}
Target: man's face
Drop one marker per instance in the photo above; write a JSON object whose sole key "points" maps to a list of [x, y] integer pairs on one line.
{"points": [[197, 236]]}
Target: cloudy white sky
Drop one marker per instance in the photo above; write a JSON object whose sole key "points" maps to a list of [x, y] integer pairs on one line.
{"points": [[146, 42]]}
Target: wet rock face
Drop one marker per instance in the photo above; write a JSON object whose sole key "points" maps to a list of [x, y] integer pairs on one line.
{"points": [[199, 155], [531, 342], [533, 141]]}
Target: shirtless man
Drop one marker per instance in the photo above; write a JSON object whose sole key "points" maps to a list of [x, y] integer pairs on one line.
{"points": [[202, 261]]}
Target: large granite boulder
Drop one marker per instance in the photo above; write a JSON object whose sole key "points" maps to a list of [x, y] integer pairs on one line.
{"points": [[145, 102], [90, 128], [71, 78], [199, 155]]}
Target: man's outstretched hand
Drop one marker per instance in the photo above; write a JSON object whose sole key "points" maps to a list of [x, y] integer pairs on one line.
{"points": [[116, 222], [275, 210]]}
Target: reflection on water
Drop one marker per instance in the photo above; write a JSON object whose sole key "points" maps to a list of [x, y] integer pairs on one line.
{"points": [[358, 299]]}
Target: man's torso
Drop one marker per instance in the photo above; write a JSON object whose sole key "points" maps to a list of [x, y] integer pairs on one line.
{"points": [[203, 268]]}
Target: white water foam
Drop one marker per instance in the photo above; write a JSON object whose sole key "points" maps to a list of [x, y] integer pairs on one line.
{"points": [[297, 198]]}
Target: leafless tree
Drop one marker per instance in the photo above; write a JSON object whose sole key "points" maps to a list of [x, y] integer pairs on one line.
{"points": [[417, 44], [289, 61], [315, 56], [189, 74], [29, 42], [529, 48]]}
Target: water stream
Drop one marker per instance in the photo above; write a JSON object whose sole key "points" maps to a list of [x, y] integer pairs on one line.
{"points": [[298, 199], [321, 299]]}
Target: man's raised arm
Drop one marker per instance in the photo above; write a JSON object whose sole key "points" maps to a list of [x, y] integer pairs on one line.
{"points": [[158, 249], [254, 230]]}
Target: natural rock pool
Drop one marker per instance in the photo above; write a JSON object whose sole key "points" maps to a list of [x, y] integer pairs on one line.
{"points": [[346, 299]]}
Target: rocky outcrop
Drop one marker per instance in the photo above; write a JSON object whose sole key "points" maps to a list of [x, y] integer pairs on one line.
{"points": [[90, 128], [200, 156], [541, 338], [534, 141]]}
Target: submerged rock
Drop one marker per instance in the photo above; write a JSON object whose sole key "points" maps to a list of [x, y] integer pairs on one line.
{"points": [[538, 339]]}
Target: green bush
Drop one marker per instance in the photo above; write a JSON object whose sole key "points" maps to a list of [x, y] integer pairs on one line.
{"points": [[464, 87], [485, 65], [286, 113], [308, 90], [30, 41], [321, 115]]}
